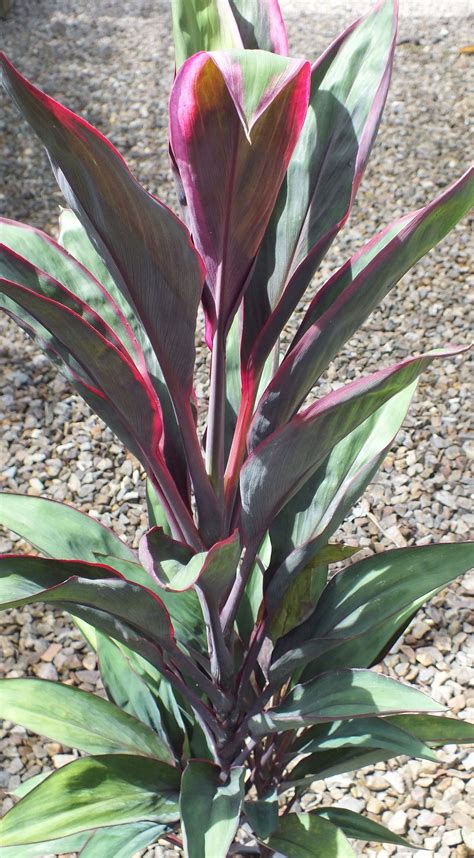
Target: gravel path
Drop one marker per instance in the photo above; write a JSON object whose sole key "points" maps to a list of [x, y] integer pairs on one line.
{"points": [[116, 70]]}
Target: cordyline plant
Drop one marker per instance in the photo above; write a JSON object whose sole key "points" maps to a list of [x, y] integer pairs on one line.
{"points": [[237, 671]]}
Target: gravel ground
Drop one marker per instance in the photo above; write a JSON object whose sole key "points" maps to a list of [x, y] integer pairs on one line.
{"points": [[116, 70]]}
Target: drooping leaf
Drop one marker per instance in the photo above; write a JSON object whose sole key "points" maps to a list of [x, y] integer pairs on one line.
{"points": [[349, 84], [326, 764], [263, 814], [279, 466], [363, 733], [121, 841], [303, 835], [47, 255], [339, 695], [210, 809], [93, 792], [234, 120], [261, 25], [359, 827], [74, 585], [364, 604], [344, 302], [203, 25], [59, 530], [308, 521], [77, 719]]}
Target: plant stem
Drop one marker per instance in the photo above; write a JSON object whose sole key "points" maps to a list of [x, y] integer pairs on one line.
{"points": [[230, 608], [209, 510], [215, 453]]}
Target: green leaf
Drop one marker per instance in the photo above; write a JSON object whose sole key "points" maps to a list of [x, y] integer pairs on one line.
{"points": [[93, 792], [251, 601], [77, 719], [360, 827], [127, 688], [326, 764], [262, 814], [303, 835], [435, 729], [363, 733], [121, 841], [308, 521], [367, 602], [48, 847], [30, 783], [59, 530], [340, 695], [210, 810], [301, 597], [203, 25], [261, 25]]}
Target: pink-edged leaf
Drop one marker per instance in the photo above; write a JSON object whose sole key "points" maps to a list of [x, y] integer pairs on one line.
{"points": [[261, 25], [25, 579], [114, 375], [351, 294], [279, 467], [59, 530], [234, 120], [47, 255], [349, 84], [212, 571], [146, 248]]}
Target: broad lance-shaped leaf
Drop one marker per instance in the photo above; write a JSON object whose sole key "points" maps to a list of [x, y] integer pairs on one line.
{"points": [[234, 121], [362, 733], [279, 467], [146, 248], [112, 372], [303, 835], [338, 695], [210, 809], [94, 792], [349, 83], [203, 25], [127, 688], [73, 237], [262, 814], [25, 579], [59, 530], [77, 719], [311, 517], [359, 827], [345, 301], [326, 764], [261, 25], [47, 255], [121, 841], [364, 605]]}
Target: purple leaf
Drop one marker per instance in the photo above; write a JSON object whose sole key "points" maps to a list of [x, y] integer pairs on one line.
{"points": [[234, 121]]}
